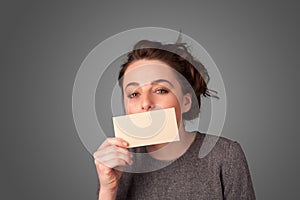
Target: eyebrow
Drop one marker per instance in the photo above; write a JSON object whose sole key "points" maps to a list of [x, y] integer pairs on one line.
{"points": [[153, 82]]}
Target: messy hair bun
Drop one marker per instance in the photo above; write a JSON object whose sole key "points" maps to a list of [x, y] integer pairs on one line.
{"points": [[178, 57]]}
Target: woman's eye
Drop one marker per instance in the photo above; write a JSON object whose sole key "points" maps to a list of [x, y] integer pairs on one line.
{"points": [[132, 95], [161, 91]]}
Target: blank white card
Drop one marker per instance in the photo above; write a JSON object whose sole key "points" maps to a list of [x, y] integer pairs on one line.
{"points": [[147, 128]]}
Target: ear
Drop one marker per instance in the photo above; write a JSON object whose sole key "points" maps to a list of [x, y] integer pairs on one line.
{"points": [[186, 103]]}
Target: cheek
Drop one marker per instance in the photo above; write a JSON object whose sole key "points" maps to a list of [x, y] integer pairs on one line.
{"points": [[178, 110], [132, 106], [174, 102], [127, 108], [178, 114]]}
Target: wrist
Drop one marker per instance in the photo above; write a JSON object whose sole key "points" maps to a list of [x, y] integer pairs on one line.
{"points": [[107, 193]]}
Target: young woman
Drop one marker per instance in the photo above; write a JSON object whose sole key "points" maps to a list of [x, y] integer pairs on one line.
{"points": [[158, 76]]}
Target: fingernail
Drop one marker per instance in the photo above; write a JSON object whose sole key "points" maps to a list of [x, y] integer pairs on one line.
{"points": [[125, 144]]}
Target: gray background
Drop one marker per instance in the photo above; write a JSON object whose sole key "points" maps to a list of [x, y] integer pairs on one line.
{"points": [[255, 46]]}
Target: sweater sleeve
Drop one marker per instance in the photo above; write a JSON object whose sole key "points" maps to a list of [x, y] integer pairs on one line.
{"points": [[235, 174], [126, 179], [124, 186]]}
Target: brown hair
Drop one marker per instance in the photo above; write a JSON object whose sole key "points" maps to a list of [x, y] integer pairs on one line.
{"points": [[176, 56]]}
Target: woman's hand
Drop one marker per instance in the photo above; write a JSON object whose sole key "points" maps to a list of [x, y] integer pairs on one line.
{"points": [[112, 153]]}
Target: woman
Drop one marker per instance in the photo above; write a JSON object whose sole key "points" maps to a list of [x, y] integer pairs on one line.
{"points": [[158, 76]]}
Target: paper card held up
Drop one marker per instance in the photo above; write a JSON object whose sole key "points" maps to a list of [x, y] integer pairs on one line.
{"points": [[147, 128]]}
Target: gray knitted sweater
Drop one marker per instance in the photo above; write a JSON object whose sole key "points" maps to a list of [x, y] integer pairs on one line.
{"points": [[222, 174]]}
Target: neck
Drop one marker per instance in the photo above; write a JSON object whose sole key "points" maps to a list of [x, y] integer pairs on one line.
{"points": [[173, 150]]}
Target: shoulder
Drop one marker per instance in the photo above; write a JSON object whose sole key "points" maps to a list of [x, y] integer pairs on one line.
{"points": [[232, 166], [219, 147]]}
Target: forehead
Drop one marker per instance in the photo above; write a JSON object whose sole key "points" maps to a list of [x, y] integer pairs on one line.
{"points": [[145, 71]]}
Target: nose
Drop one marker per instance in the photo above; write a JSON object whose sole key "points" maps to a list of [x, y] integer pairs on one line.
{"points": [[147, 103]]}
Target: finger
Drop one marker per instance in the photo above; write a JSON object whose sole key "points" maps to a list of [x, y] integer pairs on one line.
{"points": [[110, 164], [114, 141], [115, 163], [118, 142], [102, 168], [111, 150], [109, 157], [104, 144]]}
